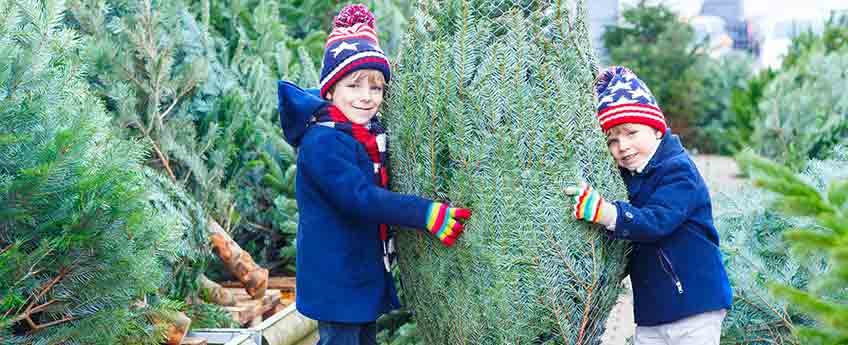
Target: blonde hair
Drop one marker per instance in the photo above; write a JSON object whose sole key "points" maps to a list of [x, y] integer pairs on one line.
{"points": [[374, 76]]}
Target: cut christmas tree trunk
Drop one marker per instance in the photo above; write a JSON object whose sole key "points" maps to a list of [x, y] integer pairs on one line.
{"points": [[213, 292], [491, 108], [238, 262]]}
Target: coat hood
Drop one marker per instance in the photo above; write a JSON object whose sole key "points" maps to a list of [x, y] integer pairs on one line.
{"points": [[296, 107]]}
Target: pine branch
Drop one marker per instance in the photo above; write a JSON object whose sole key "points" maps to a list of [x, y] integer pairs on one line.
{"points": [[185, 91], [164, 160]]}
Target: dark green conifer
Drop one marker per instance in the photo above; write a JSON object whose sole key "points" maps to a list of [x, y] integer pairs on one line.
{"points": [[81, 250]]}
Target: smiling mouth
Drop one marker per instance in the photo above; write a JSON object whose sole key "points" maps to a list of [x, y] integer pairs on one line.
{"points": [[364, 109], [628, 157]]}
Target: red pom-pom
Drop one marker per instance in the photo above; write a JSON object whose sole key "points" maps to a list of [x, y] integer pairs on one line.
{"points": [[354, 14]]}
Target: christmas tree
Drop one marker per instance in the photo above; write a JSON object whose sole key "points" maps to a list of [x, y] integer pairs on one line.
{"points": [[154, 66], [821, 200], [81, 248], [491, 108], [755, 255]]}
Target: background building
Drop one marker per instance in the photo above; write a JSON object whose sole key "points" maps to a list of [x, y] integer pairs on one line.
{"points": [[602, 13]]}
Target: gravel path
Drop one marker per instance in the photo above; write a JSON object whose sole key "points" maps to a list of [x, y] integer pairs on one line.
{"points": [[720, 173]]}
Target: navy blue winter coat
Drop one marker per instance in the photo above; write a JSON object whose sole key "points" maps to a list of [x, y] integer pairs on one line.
{"points": [[340, 271], [675, 266]]}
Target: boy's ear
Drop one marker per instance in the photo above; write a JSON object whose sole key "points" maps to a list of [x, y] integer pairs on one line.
{"points": [[329, 95], [658, 134]]}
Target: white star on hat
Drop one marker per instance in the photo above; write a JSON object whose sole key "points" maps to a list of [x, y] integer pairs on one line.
{"points": [[342, 47]]}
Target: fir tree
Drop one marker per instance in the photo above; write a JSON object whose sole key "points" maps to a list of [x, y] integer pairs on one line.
{"points": [[755, 255], [822, 242], [80, 247], [491, 108], [802, 118], [155, 68]]}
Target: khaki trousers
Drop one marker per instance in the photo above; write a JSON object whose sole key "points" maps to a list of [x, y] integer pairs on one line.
{"points": [[700, 329]]}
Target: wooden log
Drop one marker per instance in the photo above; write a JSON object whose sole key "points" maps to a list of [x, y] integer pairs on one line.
{"points": [[177, 325], [277, 283], [214, 293], [248, 311], [237, 261]]}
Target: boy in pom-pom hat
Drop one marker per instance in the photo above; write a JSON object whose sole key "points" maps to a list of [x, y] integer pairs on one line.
{"points": [[344, 248], [681, 292]]}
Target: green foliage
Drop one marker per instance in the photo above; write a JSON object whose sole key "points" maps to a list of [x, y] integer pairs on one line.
{"points": [[755, 255], [397, 328], [210, 316], [824, 298], [252, 49], [659, 48], [491, 109], [834, 37], [205, 105], [80, 246], [794, 114], [728, 115], [804, 112], [733, 131]]}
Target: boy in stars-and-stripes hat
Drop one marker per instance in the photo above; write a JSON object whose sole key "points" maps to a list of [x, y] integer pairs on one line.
{"points": [[344, 247], [681, 292]]}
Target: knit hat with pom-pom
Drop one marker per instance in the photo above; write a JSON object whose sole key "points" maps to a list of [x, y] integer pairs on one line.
{"points": [[352, 46], [624, 98]]}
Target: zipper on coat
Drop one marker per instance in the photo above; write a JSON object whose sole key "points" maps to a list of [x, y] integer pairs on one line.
{"points": [[669, 269]]}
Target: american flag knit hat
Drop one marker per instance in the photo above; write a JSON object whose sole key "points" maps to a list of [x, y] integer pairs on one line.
{"points": [[623, 98], [352, 46]]}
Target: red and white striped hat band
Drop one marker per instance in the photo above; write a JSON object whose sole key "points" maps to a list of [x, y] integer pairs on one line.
{"points": [[367, 59], [632, 113], [359, 30]]}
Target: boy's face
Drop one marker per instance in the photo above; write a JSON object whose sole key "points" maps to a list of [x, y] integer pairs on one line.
{"points": [[632, 144], [358, 96]]}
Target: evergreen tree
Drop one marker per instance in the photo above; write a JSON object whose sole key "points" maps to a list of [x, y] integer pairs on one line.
{"points": [[153, 65], [80, 247], [726, 124], [822, 243], [491, 108], [755, 255], [253, 51], [802, 117]]}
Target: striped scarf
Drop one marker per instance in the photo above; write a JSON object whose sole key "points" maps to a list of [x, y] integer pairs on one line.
{"points": [[372, 136]]}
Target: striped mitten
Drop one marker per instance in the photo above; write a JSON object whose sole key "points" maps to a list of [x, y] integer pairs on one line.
{"points": [[443, 222], [590, 206]]}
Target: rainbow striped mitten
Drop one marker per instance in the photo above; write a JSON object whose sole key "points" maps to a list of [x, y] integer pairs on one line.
{"points": [[590, 206], [443, 222]]}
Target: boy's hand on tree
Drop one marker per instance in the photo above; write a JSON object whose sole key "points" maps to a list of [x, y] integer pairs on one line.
{"points": [[443, 222], [590, 206]]}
